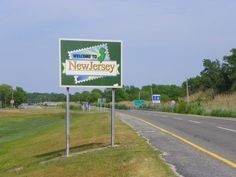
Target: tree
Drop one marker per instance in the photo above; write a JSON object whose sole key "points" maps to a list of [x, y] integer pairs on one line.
{"points": [[84, 96], [97, 91], [121, 95], [145, 92], [230, 68], [107, 95], [168, 92], [36, 97], [75, 97], [5, 94], [94, 95], [196, 84], [214, 74], [132, 91], [20, 96]]}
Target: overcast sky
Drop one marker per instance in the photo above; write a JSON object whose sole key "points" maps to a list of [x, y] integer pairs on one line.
{"points": [[164, 41]]}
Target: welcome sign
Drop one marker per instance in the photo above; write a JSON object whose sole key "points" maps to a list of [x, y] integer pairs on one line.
{"points": [[90, 63]]}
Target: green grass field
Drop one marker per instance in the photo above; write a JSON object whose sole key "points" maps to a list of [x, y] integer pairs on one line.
{"points": [[32, 144]]}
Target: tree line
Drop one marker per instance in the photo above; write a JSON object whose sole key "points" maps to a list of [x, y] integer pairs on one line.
{"points": [[219, 77], [127, 93]]}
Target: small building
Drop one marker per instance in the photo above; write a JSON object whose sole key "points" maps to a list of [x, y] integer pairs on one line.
{"points": [[50, 104]]}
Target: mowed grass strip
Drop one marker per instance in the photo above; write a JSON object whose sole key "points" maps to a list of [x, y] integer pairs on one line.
{"points": [[30, 143]]}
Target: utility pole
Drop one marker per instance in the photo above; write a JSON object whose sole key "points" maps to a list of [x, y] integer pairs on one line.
{"points": [[139, 95], [0, 101], [187, 91], [12, 100], [151, 98]]}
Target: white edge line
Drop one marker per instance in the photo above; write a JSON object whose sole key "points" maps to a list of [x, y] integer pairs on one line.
{"points": [[194, 121], [197, 116], [227, 129], [177, 118]]}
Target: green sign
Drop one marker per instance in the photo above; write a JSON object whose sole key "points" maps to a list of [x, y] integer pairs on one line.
{"points": [[139, 103], [90, 63], [101, 101]]}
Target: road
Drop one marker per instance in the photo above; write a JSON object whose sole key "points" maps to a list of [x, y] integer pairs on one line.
{"points": [[196, 146]]}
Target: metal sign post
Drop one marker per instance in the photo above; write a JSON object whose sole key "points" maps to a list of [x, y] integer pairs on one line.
{"points": [[67, 122], [113, 119], [172, 105], [156, 99], [187, 90]]}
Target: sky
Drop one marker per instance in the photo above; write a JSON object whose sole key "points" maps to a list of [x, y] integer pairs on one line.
{"points": [[164, 41]]}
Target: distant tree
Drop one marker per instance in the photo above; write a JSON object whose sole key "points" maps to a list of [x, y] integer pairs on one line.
{"points": [[36, 97], [145, 95], [97, 91], [94, 95], [145, 92], [107, 95], [132, 91], [84, 96], [75, 97], [20, 96], [121, 95], [5, 94], [168, 92], [198, 83]]}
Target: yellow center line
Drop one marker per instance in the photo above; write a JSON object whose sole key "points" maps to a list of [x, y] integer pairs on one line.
{"points": [[232, 164]]}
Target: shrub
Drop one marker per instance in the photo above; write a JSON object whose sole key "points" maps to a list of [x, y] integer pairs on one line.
{"points": [[72, 107], [222, 113], [195, 108], [167, 109], [122, 106], [191, 108], [181, 107], [148, 107]]}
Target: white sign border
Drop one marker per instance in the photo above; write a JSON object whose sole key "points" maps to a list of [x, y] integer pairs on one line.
{"points": [[92, 40]]}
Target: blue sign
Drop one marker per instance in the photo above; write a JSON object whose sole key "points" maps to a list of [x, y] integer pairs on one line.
{"points": [[86, 107], [156, 98]]}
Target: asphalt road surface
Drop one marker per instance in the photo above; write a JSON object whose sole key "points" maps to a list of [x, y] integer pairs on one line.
{"points": [[217, 136]]}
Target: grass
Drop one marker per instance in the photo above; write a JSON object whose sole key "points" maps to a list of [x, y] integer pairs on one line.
{"points": [[222, 113], [222, 101], [221, 105], [28, 138]]}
